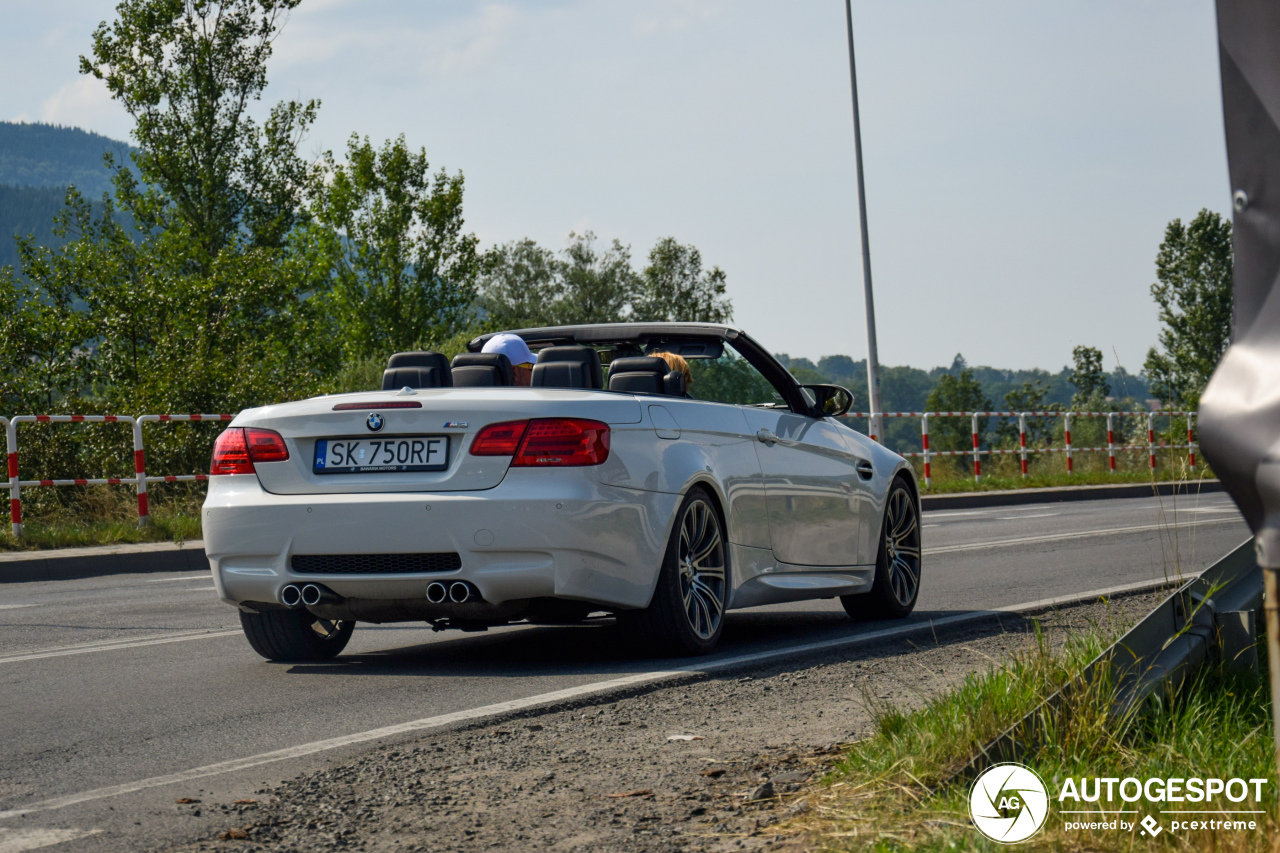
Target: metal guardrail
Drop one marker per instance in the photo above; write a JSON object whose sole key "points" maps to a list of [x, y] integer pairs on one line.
{"points": [[15, 483], [1211, 617]]}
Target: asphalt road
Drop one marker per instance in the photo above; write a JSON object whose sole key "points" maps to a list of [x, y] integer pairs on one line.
{"points": [[115, 681]]}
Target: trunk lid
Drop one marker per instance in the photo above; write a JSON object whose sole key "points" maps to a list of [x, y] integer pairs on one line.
{"points": [[456, 414]]}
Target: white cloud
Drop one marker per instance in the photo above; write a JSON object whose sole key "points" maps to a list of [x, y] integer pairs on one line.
{"points": [[388, 44], [676, 16], [85, 102]]}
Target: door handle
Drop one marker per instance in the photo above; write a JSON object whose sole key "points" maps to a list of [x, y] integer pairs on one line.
{"points": [[865, 469], [766, 436]]}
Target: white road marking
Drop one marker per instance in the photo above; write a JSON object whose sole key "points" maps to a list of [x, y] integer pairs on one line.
{"points": [[14, 606], [113, 645], [1210, 509], [1083, 534], [201, 589], [199, 576], [956, 514], [1020, 517], [557, 696], [19, 840]]}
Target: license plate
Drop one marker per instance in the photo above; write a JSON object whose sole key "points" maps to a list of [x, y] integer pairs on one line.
{"points": [[370, 455]]}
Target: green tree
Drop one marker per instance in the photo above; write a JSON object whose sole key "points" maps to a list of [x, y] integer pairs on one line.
{"points": [[958, 392], [404, 272], [675, 288], [1193, 292], [189, 291], [597, 286], [187, 72], [1088, 377], [520, 285], [1031, 397]]}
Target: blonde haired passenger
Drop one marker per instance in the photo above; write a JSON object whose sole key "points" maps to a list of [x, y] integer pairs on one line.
{"points": [[677, 363]]}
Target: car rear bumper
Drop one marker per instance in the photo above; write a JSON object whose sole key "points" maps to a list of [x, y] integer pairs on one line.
{"points": [[539, 533]]}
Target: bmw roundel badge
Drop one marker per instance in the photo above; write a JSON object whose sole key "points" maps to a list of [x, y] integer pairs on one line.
{"points": [[374, 421]]}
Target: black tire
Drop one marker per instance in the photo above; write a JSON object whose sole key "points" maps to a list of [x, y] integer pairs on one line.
{"points": [[897, 583], [295, 636], [686, 614]]}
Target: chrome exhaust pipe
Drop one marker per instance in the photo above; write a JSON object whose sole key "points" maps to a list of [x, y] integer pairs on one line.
{"points": [[291, 596], [459, 592], [437, 592], [311, 595]]}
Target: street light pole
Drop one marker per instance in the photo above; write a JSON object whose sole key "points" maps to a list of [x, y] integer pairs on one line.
{"points": [[873, 355]]}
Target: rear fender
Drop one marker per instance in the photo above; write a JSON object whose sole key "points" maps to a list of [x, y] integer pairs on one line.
{"points": [[726, 464]]}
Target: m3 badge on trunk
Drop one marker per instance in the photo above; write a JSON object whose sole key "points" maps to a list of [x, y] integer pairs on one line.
{"points": [[374, 422]]}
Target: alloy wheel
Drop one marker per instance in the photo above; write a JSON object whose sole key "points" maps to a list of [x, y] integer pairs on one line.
{"points": [[902, 546], [702, 568]]}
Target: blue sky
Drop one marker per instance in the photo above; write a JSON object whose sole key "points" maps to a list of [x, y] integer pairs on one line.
{"points": [[1022, 158]]}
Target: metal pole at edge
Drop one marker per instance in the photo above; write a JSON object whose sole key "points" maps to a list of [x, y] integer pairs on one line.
{"points": [[873, 355]]}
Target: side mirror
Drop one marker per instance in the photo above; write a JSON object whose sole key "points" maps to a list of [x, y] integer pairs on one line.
{"points": [[830, 401]]}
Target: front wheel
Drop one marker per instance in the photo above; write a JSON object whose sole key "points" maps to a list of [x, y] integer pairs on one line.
{"points": [[686, 614], [897, 581], [295, 636]]}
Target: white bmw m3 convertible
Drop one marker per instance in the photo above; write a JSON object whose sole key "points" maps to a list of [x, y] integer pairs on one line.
{"points": [[663, 473]]}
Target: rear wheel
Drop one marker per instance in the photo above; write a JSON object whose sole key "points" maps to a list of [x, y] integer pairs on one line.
{"points": [[897, 581], [295, 635], [686, 615]]}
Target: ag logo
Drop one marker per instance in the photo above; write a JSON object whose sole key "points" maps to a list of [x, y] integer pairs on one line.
{"points": [[1008, 803], [374, 421]]}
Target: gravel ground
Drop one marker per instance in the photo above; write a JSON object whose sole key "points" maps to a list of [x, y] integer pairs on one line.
{"points": [[708, 765]]}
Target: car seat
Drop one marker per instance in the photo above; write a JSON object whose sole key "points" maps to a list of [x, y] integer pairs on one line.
{"points": [[416, 370], [482, 370], [568, 367], [646, 375]]}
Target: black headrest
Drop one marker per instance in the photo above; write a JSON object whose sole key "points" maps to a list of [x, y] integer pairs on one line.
{"points": [[645, 375], [482, 369], [568, 367], [416, 370], [638, 364]]}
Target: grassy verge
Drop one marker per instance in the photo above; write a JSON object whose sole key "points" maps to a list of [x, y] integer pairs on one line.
{"points": [[106, 515], [891, 792], [41, 535]]}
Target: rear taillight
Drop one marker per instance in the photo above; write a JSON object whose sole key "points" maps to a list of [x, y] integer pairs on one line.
{"points": [[266, 445], [238, 448], [545, 442], [230, 454], [561, 442], [499, 439]]}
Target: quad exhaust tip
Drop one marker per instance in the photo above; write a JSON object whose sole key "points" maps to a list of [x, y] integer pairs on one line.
{"points": [[291, 596], [458, 592], [311, 595]]}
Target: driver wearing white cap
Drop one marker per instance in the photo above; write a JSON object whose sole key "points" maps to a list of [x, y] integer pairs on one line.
{"points": [[515, 349]]}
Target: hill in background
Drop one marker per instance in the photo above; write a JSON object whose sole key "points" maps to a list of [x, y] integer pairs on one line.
{"points": [[48, 155], [37, 164]]}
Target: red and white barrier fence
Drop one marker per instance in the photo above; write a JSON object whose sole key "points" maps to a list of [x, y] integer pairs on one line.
{"points": [[977, 452], [140, 478]]}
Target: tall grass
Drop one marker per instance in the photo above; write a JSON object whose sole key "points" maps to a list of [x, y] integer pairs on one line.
{"points": [[894, 791], [108, 515], [1003, 471]]}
